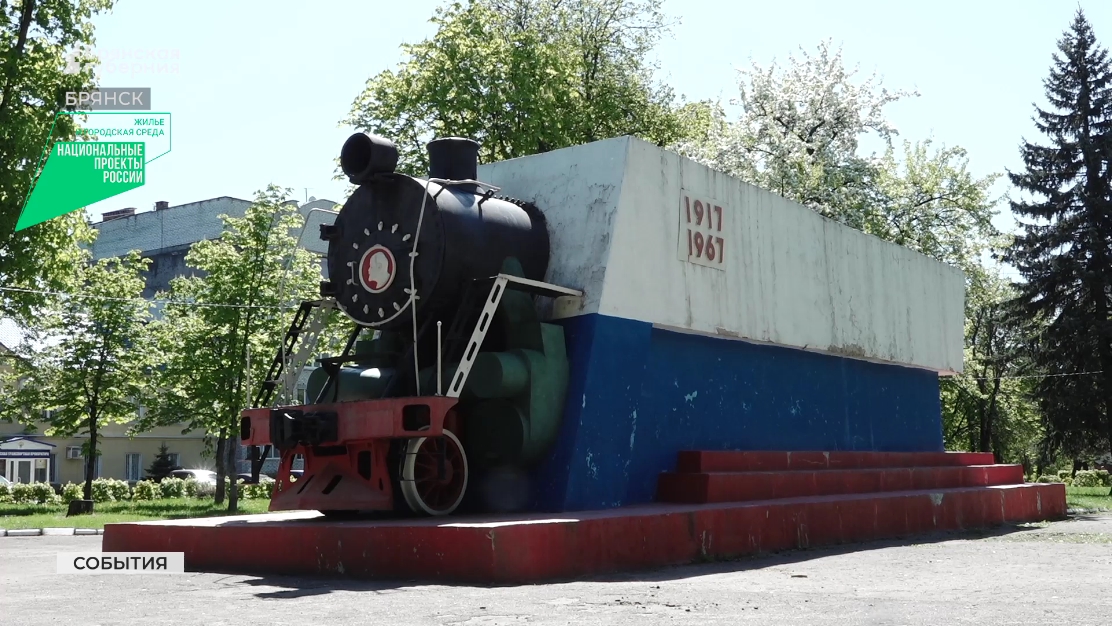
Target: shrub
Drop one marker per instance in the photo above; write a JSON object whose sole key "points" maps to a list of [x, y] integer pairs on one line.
{"points": [[1064, 473], [146, 490], [1092, 478], [22, 493], [1049, 479], [119, 488], [204, 490], [172, 487], [261, 491], [110, 490], [100, 491], [71, 492], [189, 488], [5, 494], [43, 493], [1068, 480]]}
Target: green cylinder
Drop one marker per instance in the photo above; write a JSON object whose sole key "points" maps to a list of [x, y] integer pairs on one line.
{"points": [[356, 383], [497, 375]]}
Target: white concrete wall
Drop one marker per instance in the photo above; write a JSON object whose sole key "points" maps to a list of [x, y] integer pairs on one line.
{"points": [[788, 275], [578, 190]]}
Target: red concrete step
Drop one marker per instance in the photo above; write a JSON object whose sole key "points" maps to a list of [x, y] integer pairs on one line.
{"points": [[708, 487], [761, 461], [520, 549]]}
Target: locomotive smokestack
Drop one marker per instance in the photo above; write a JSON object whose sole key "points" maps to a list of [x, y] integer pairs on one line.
{"points": [[365, 155], [453, 158]]}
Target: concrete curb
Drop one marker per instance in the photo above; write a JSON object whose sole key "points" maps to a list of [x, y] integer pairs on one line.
{"points": [[49, 532]]}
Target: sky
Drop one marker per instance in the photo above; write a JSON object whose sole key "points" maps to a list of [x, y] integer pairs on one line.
{"points": [[260, 87]]}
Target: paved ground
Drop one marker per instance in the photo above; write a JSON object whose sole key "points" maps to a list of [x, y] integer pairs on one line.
{"points": [[1055, 574]]}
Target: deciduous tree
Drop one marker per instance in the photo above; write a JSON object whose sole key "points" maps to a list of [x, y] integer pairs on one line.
{"points": [[250, 282], [88, 361], [36, 37], [523, 77], [989, 407], [800, 134]]}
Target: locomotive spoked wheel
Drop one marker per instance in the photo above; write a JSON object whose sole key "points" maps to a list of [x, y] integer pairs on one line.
{"points": [[434, 474]]}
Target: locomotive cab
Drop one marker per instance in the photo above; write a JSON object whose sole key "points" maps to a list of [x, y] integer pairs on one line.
{"points": [[449, 375]]}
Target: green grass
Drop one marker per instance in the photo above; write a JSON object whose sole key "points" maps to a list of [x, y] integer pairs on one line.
{"points": [[1088, 498], [54, 516]]}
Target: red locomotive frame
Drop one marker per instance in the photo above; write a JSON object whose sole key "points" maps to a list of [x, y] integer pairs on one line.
{"points": [[350, 471]]}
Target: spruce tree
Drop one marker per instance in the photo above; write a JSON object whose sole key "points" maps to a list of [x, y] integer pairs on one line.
{"points": [[1065, 250], [162, 465]]}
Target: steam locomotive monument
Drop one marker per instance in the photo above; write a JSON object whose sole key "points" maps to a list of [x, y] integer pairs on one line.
{"points": [[691, 366]]}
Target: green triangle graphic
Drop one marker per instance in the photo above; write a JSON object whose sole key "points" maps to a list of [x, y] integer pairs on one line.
{"points": [[80, 173]]}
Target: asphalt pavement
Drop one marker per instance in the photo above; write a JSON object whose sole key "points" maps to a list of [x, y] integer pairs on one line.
{"points": [[1055, 573]]}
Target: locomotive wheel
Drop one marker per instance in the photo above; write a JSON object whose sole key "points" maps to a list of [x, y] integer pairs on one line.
{"points": [[424, 486]]}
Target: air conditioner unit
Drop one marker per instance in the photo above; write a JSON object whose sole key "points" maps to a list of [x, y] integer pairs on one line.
{"points": [[73, 452]]}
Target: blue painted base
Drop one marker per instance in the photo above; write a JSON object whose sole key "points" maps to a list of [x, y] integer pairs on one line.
{"points": [[638, 395]]}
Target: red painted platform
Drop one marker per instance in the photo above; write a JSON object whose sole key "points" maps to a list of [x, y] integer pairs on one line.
{"points": [[861, 497]]}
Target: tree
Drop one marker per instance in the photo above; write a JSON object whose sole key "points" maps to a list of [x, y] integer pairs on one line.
{"points": [[523, 77], [1065, 250], [240, 305], [35, 37], [162, 465], [989, 408], [800, 134], [89, 361]]}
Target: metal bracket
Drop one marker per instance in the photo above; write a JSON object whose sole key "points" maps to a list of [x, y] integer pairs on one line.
{"points": [[477, 336], [497, 290], [539, 288]]}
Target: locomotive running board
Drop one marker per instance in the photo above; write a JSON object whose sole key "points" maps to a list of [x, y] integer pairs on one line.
{"points": [[497, 290]]}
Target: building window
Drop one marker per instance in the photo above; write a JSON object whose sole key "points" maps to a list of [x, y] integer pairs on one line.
{"points": [[173, 456], [133, 466], [4, 468], [84, 469], [41, 470]]}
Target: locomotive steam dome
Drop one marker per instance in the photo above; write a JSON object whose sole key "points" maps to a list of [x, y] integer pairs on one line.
{"points": [[458, 230]]}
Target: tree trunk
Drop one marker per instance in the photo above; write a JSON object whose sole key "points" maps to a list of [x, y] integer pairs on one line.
{"points": [[12, 71], [91, 459], [233, 494], [220, 473]]}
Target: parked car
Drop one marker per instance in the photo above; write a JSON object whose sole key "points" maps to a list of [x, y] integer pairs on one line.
{"points": [[4, 481], [201, 476]]}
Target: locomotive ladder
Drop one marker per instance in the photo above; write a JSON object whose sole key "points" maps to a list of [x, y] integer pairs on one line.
{"points": [[501, 282], [293, 355]]}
